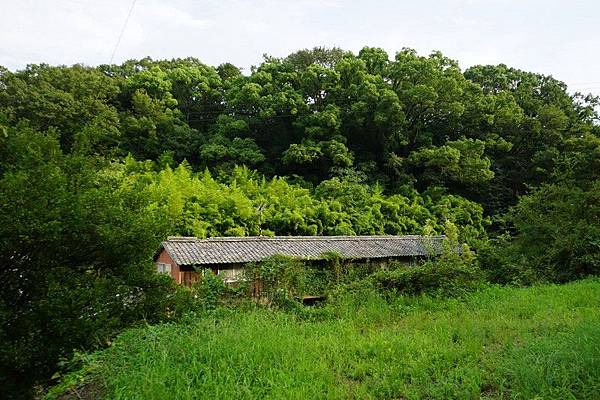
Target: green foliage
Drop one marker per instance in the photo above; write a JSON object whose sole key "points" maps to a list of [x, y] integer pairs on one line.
{"points": [[556, 236], [75, 247], [500, 342], [245, 203], [282, 280], [485, 134], [436, 278], [97, 164], [502, 264], [461, 161], [210, 288], [212, 291], [451, 274], [558, 231]]}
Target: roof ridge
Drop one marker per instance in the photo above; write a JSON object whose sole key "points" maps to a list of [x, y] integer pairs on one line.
{"points": [[294, 238], [182, 238]]}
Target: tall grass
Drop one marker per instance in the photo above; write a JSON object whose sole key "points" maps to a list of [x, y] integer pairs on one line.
{"points": [[498, 343]]}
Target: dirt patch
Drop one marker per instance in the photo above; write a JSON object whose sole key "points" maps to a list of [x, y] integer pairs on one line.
{"points": [[88, 391]]}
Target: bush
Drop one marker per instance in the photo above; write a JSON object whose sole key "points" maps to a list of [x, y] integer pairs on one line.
{"points": [[559, 227], [451, 274], [284, 280], [557, 237], [281, 278], [206, 295], [75, 256], [433, 277], [212, 291], [502, 264]]}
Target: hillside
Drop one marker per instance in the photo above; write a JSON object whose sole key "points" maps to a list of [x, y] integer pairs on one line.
{"points": [[498, 343], [99, 164]]}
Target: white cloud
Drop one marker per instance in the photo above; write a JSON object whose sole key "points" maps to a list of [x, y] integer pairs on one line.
{"points": [[163, 13]]}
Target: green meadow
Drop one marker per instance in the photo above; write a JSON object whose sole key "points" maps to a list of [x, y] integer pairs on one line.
{"points": [[539, 342]]}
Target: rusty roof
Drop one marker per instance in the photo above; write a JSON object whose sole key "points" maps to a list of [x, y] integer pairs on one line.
{"points": [[231, 250]]}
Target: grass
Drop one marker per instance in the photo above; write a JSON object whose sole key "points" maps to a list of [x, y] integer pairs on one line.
{"points": [[541, 342]]}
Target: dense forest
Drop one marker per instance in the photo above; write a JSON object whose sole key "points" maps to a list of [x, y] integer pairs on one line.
{"points": [[98, 164]]}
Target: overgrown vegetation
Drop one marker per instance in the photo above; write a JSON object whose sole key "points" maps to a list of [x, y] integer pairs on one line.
{"points": [[499, 342], [98, 164], [452, 273]]}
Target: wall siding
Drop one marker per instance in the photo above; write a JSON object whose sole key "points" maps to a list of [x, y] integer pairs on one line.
{"points": [[165, 258]]}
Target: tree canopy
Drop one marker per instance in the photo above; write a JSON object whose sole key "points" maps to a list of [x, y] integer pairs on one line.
{"points": [[98, 164]]}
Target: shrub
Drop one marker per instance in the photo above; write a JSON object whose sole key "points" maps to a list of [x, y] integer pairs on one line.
{"points": [[453, 273], [285, 280], [501, 263], [212, 291], [557, 237], [281, 279], [207, 294], [433, 277], [558, 230]]}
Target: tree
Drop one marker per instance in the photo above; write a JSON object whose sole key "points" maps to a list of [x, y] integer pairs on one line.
{"points": [[457, 162], [322, 56], [74, 250], [536, 116], [76, 101], [558, 231]]}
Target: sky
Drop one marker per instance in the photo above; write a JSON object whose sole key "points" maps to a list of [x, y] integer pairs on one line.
{"points": [[558, 38]]}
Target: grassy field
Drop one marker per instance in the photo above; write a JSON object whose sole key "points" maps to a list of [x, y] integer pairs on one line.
{"points": [[541, 342]]}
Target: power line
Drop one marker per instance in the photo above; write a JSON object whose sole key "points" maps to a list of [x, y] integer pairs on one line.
{"points": [[112, 56]]}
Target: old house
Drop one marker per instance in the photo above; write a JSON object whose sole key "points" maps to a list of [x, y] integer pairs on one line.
{"points": [[186, 257]]}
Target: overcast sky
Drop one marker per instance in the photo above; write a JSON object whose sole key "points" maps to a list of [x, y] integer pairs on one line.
{"points": [[552, 37]]}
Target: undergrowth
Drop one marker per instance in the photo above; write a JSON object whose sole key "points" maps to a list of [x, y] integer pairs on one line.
{"points": [[497, 342]]}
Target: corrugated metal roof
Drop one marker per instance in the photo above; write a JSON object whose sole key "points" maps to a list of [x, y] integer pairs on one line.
{"points": [[230, 250]]}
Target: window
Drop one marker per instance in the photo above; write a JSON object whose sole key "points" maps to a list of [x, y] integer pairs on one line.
{"points": [[232, 275], [163, 268]]}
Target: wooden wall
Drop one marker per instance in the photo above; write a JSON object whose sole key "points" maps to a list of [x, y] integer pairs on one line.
{"points": [[165, 258]]}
